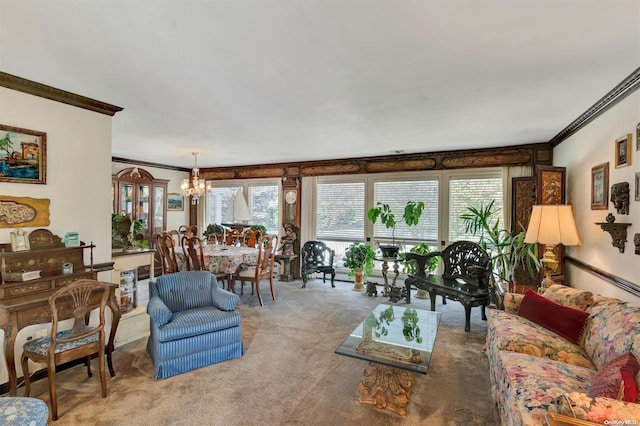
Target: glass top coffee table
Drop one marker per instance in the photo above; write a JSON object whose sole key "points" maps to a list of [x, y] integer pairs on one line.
{"points": [[396, 341]]}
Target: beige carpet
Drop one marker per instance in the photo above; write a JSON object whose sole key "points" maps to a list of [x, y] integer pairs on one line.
{"points": [[289, 374]]}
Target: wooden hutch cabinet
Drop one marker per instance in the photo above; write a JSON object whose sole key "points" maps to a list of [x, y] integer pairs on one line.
{"points": [[136, 193]]}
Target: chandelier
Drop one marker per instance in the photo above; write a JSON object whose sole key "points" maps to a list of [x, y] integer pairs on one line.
{"points": [[194, 187]]}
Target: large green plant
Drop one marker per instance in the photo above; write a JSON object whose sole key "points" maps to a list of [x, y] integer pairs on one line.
{"points": [[508, 251], [359, 257], [212, 229], [410, 216], [409, 267]]}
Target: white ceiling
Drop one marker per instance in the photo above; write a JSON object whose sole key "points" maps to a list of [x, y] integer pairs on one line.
{"points": [[248, 82]]}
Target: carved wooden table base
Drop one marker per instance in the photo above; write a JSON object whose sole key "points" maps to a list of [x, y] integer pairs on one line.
{"points": [[386, 388]]}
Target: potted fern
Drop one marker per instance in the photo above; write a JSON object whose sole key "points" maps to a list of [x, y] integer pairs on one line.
{"points": [[410, 216], [359, 259]]}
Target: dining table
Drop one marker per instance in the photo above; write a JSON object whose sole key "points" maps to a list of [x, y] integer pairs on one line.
{"points": [[222, 259]]}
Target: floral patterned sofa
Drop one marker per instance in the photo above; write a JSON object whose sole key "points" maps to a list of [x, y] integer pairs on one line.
{"points": [[534, 371]]}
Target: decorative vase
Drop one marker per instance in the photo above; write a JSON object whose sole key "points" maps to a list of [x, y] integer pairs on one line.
{"points": [[358, 284]]}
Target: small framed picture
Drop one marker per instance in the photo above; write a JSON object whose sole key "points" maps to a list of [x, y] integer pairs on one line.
{"points": [[623, 151], [175, 201], [638, 137], [19, 240], [637, 191], [600, 187]]}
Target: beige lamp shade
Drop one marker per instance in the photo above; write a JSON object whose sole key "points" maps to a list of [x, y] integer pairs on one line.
{"points": [[552, 224]]}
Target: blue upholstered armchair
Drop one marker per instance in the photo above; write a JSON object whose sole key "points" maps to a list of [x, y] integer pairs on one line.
{"points": [[193, 323]]}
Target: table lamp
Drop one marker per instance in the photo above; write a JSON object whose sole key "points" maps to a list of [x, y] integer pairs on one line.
{"points": [[551, 225]]}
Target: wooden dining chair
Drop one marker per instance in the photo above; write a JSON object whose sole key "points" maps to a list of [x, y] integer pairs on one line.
{"points": [[188, 230], [250, 238], [166, 249], [80, 341], [262, 269], [193, 251], [233, 237]]}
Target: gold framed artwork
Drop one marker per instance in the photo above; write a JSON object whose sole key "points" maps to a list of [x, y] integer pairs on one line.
{"points": [[23, 155], [600, 187], [19, 240], [623, 151]]}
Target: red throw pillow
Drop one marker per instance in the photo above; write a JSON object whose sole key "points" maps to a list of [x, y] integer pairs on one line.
{"points": [[562, 320], [616, 379]]}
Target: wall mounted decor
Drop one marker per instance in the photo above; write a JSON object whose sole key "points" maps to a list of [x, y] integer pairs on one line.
{"points": [[620, 197], [618, 231], [20, 212], [523, 197], [637, 191], [636, 242], [175, 201], [24, 155], [638, 137], [19, 240], [600, 187], [623, 151]]}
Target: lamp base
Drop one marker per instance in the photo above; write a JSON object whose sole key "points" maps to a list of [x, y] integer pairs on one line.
{"points": [[549, 266]]}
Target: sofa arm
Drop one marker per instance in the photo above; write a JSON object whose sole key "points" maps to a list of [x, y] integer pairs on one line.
{"points": [[158, 311], [512, 302], [223, 299], [601, 410]]}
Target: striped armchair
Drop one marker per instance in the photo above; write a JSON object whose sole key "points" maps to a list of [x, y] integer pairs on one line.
{"points": [[193, 323]]}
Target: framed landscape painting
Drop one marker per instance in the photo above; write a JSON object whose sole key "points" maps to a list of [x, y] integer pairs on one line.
{"points": [[600, 187], [175, 201], [23, 155]]}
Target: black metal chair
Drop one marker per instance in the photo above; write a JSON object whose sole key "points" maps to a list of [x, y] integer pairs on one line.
{"points": [[467, 270], [316, 257]]}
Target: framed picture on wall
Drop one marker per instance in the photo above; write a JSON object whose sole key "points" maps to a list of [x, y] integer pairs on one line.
{"points": [[25, 159], [638, 137], [623, 151], [600, 187], [175, 201], [637, 191]]}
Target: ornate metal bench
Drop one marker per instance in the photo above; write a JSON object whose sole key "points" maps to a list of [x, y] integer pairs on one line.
{"points": [[467, 268]]}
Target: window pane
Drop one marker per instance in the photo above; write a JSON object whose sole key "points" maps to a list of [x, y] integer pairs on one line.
{"points": [[218, 201], [472, 192], [340, 211], [263, 204], [396, 194]]}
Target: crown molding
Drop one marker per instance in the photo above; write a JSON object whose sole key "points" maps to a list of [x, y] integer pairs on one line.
{"points": [[149, 164], [42, 90], [618, 93]]}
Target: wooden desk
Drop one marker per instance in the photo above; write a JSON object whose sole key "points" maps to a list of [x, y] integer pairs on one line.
{"points": [[19, 312]]}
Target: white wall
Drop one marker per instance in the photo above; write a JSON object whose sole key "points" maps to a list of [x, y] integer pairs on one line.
{"points": [[78, 176], [589, 147], [174, 218]]}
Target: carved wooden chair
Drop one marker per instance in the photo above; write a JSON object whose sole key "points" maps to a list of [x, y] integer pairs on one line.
{"points": [[81, 341], [465, 278], [192, 249], [251, 237], [317, 258], [188, 230], [263, 269], [167, 252], [233, 237]]}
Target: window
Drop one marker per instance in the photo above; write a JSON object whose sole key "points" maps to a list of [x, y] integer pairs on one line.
{"points": [[396, 194], [472, 192], [262, 200], [263, 205], [340, 214]]}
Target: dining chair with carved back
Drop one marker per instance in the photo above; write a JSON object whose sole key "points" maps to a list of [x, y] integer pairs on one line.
{"points": [[188, 230], [233, 237], [250, 237], [262, 269], [166, 249], [175, 234], [193, 252], [80, 341]]}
